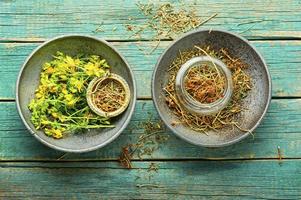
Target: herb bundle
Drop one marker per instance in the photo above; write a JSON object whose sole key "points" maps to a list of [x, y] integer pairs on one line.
{"points": [[227, 116], [60, 105]]}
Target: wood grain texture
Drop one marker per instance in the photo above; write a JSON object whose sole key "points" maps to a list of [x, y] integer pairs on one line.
{"points": [[31, 20], [247, 170], [279, 128], [283, 59], [173, 180]]}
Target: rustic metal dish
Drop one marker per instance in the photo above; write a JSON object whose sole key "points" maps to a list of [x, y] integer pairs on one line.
{"points": [[28, 81], [256, 103]]}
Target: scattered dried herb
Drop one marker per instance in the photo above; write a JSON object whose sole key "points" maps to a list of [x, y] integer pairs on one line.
{"points": [[129, 27], [59, 106], [125, 157], [168, 21], [146, 144], [165, 21], [226, 117], [153, 167], [279, 153], [99, 28], [62, 156], [204, 83], [109, 96]]}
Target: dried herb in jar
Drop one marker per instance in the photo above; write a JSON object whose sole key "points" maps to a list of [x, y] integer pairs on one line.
{"points": [[109, 96], [204, 83], [227, 116]]}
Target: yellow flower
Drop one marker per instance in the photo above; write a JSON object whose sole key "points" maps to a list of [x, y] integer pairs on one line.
{"points": [[72, 90], [70, 100], [44, 122], [64, 89], [48, 132], [56, 133], [62, 67], [72, 63], [53, 88], [63, 77], [41, 92], [50, 70], [77, 61], [78, 84], [44, 79], [62, 118], [68, 97], [32, 104], [92, 69], [55, 114], [46, 66], [69, 61]]}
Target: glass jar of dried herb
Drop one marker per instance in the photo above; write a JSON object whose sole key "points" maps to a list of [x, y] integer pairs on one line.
{"points": [[204, 85]]}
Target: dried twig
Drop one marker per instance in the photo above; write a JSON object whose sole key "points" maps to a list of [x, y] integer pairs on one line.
{"points": [[279, 153]]}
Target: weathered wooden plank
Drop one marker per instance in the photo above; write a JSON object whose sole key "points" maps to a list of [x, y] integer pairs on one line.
{"points": [[281, 127], [173, 180], [36, 20], [283, 58]]}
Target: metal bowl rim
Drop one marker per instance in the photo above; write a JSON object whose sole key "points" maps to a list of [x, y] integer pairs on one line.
{"points": [[223, 144], [124, 125]]}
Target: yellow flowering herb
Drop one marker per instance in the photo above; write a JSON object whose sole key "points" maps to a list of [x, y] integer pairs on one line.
{"points": [[59, 106]]}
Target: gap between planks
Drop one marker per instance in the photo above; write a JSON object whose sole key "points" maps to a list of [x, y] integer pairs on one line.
{"points": [[41, 40], [156, 160]]}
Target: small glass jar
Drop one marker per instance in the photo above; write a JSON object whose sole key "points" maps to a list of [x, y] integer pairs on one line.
{"points": [[191, 104]]}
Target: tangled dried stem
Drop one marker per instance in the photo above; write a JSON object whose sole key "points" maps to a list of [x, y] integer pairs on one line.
{"points": [[168, 21], [109, 96], [204, 84]]}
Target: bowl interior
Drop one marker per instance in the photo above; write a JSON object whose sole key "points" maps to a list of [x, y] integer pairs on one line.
{"points": [[73, 45], [255, 103]]}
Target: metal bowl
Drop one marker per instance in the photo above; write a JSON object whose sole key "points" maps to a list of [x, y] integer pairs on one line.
{"points": [[256, 103], [29, 77]]}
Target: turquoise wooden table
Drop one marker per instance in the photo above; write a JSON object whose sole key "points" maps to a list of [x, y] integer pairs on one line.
{"points": [[250, 169]]}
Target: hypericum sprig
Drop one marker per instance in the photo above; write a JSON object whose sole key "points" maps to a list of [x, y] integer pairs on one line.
{"points": [[60, 105]]}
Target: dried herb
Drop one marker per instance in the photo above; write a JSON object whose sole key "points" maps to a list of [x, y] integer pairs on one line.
{"points": [[226, 117], [279, 153], [125, 157], [59, 106], [204, 83], [167, 21], [146, 144], [153, 167], [99, 28], [109, 96]]}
